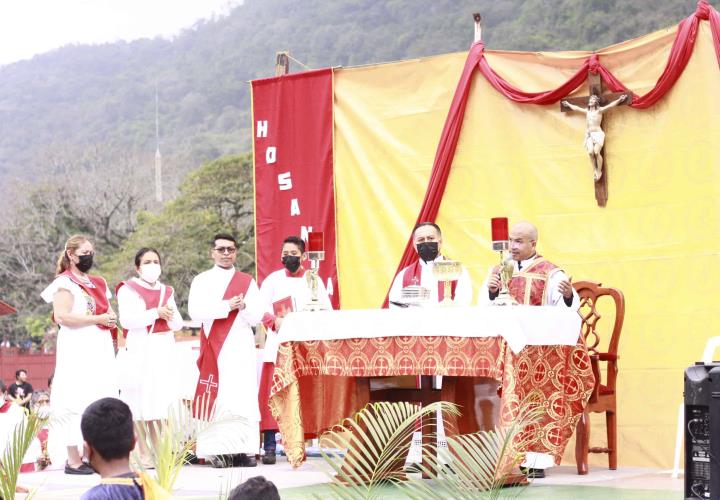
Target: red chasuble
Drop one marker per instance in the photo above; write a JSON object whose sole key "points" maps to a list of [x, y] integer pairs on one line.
{"points": [[412, 275], [98, 302], [210, 347], [152, 300], [528, 286]]}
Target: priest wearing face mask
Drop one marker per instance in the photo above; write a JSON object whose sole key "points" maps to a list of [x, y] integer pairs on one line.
{"points": [[149, 316], [428, 245], [289, 282]]}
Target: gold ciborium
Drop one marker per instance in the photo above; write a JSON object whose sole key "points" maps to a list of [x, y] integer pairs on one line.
{"points": [[446, 271], [507, 268]]}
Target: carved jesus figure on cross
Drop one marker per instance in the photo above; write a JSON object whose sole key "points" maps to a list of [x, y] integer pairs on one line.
{"points": [[594, 135]]}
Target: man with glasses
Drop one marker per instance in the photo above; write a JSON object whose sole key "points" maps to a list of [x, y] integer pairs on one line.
{"points": [[228, 304]]}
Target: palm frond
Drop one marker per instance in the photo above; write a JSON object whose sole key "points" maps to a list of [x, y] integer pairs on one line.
{"points": [[479, 462], [377, 440], [177, 436], [19, 443]]}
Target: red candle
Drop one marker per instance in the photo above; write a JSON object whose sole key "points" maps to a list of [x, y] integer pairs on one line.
{"points": [[499, 228], [315, 242]]}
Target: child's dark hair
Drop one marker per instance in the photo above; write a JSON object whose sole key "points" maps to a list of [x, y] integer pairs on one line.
{"points": [[255, 488], [107, 426]]}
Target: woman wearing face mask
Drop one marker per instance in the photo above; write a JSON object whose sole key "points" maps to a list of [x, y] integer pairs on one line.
{"points": [[149, 315], [85, 359]]}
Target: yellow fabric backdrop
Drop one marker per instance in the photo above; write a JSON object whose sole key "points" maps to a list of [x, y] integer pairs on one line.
{"points": [[657, 239]]}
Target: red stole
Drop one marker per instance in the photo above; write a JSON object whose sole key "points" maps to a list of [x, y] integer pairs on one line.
{"points": [[413, 274], [529, 285], [152, 300], [98, 293], [210, 347], [297, 274], [5, 407]]}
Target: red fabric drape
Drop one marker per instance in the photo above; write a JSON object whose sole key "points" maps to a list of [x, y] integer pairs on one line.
{"points": [[680, 53]]}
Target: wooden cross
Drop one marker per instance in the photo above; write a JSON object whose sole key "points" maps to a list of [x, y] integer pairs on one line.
{"points": [[596, 89]]}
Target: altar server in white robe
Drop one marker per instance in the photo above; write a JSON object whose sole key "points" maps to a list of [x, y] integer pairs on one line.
{"points": [[228, 304], [282, 291], [427, 238], [148, 373], [85, 368]]}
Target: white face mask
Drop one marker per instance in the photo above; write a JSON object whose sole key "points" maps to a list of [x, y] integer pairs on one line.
{"points": [[150, 272]]}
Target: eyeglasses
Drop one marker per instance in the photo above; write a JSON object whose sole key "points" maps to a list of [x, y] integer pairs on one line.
{"points": [[227, 250]]}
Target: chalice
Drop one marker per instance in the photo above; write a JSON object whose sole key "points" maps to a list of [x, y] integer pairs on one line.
{"points": [[507, 268], [446, 271]]}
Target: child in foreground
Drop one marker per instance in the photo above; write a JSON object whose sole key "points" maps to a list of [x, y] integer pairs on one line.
{"points": [[107, 430]]}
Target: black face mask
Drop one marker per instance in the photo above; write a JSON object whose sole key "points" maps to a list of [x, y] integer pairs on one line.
{"points": [[428, 250], [291, 262], [86, 262]]}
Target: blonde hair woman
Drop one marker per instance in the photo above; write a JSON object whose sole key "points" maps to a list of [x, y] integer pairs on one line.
{"points": [[85, 360]]}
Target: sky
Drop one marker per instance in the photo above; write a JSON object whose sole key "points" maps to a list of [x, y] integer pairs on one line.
{"points": [[29, 27]]}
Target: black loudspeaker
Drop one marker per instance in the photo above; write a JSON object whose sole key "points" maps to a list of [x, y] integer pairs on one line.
{"points": [[702, 431]]}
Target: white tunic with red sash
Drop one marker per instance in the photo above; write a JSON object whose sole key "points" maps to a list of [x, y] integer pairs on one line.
{"points": [[277, 286], [85, 368], [420, 273], [148, 371], [228, 361]]}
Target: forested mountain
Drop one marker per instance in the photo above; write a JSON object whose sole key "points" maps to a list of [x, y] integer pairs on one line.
{"points": [[63, 101]]}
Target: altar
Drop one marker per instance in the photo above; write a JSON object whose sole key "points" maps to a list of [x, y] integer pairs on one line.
{"points": [[532, 351]]}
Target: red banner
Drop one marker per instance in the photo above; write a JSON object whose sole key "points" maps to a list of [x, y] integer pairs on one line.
{"points": [[293, 157]]}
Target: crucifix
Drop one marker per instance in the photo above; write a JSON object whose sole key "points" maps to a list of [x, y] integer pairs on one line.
{"points": [[595, 105]]}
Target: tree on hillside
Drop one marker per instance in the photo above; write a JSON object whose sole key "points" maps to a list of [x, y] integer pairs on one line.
{"points": [[95, 191]]}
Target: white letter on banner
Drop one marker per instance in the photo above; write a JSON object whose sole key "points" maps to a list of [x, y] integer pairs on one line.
{"points": [[304, 230], [262, 128], [294, 207], [330, 289], [270, 155], [284, 181]]}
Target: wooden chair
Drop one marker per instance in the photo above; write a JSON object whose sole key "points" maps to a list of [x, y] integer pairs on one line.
{"points": [[603, 398]]}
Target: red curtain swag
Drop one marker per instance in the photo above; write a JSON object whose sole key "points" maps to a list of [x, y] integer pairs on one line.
{"points": [[680, 53]]}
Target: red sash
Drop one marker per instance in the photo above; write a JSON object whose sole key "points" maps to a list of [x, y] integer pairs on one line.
{"points": [[297, 274], [152, 300], [412, 276], [210, 347], [5, 407], [98, 294]]}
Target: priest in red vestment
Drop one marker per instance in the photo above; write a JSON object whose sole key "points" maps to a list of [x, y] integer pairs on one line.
{"points": [[428, 245], [535, 282], [228, 304]]}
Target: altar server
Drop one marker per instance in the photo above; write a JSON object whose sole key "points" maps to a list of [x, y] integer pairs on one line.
{"points": [[228, 304], [149, 314], [85, 363], [282, 291]]}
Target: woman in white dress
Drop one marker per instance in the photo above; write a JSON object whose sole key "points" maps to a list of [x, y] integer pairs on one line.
{"points": [[85, 359], [149, 376]]}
